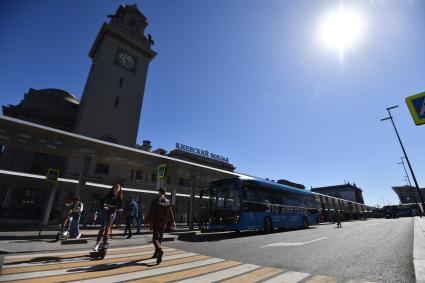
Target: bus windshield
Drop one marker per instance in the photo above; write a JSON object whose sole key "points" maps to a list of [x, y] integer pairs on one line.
{"points": [[225, 196]]}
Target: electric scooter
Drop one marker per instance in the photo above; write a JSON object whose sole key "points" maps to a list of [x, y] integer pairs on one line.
{"points": [[103, 245], [63, 226]]}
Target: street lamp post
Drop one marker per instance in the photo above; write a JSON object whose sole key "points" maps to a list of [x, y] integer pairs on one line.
{"points": [[407, 175], [410, 186], [405, 180], [405, 155]]}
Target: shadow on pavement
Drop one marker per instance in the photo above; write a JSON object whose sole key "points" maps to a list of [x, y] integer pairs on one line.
{"points": [[27, 238], [218, 236], [111, 266], [46, 259]]}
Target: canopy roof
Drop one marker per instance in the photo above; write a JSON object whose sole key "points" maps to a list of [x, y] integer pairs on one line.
{"points": [[34, 137]]}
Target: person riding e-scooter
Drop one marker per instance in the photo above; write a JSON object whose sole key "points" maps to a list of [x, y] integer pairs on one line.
{"points": [[111, 203]]}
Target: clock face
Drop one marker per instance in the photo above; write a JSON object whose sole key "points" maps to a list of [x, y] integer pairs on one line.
{"points": [[126, 60]]}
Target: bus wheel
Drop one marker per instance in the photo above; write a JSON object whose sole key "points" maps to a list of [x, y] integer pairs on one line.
{"points": [[305, 223], [268, 226]]}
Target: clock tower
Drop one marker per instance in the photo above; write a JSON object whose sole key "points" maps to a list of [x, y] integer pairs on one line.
{"points": [[113, 95]]}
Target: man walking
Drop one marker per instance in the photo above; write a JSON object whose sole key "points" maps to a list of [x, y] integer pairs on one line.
{"points": [[132, 212], [160, 213], [140, 218], [338, 219]]}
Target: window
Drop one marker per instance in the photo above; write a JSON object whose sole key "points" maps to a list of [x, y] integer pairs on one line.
{"points": [[102, 169], [117, 101], [184, 182], [39, 164], [139, 175], [225, 196], [153, 177]]}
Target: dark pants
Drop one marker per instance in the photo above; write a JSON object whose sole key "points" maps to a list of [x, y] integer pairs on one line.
{"points": [[139, 224], [105, 225], [129, 221], [158, 233]]}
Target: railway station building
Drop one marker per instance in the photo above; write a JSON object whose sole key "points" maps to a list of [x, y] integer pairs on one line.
{"points": [[92, 142]]}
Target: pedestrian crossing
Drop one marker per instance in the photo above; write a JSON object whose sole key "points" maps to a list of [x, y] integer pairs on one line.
{"points": [[134, 264]]}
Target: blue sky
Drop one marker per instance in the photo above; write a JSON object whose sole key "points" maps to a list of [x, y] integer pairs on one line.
{"points": [[249, 80]]}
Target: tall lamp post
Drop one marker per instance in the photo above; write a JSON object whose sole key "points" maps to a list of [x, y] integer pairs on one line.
{"points": [[410, 186], [405, 155]]}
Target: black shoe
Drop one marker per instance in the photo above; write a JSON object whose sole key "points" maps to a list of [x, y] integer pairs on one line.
{"points": [[159, 258], [129, 236], [155, 254]]}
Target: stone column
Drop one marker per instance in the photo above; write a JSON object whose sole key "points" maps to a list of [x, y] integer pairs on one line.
{"points": [[9, 193], [49, 205], [192, 200], [83, 174], [173, 196]]}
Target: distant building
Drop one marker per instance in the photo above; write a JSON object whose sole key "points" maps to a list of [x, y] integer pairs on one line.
{"points": [[408, 194], [346, 191]]}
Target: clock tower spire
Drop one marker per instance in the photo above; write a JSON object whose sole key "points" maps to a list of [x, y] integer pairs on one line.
{"points": [[113, 95]]}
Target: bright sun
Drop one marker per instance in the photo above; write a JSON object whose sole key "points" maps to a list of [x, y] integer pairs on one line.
{"points": [[341, 29]]}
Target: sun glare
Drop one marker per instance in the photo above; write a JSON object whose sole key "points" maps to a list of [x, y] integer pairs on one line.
{"points": [[341, 29]]}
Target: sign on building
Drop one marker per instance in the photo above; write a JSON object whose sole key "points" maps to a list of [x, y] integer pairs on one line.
{"points": [[161, 171], [53, 175], [416, 104], [201, 152]]}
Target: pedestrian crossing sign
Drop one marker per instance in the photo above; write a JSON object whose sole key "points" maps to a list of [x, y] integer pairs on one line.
{"points": [[161, 171], [416, 104], [52, 175]]}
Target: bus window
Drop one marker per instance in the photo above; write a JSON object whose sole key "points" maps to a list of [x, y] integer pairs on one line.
{"points": [[225, 196]]}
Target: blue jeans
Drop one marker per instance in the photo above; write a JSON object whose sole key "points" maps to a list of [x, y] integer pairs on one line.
{"points": [[139, 223], [74, 221], [103, 221]]}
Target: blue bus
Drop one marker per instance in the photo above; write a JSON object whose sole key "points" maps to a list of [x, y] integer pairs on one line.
{"points": [[237, 204]]}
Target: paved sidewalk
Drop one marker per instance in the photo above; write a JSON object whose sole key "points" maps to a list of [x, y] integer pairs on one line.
{"points": [[29, 241], [45, 240], [419, 249]]}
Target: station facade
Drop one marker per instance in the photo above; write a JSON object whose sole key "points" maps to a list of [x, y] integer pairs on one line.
{"points": [[24, 198], [109, 110]]}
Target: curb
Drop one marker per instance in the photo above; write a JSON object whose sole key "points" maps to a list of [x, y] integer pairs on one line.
{"points": [[419, 249]]}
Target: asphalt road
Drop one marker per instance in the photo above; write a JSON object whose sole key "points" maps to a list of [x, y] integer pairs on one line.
{"points": [[378, 250]]}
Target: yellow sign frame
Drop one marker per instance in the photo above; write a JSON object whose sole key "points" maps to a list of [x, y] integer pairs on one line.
{"points": [[161, 171], [52, 175], [418, 120]]}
